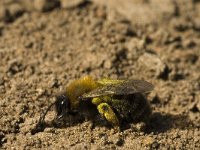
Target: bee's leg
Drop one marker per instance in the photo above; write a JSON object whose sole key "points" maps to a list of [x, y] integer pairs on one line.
{"points": [[106, 111]]}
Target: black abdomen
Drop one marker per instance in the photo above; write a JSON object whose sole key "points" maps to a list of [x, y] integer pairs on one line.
{"points": [[132, 108]]}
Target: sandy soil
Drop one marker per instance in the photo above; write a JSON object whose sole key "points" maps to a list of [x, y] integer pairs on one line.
{"points": [[44, 45]]}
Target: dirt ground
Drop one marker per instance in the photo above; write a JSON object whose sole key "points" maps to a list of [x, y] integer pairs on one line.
{"points": [[46, 44]]}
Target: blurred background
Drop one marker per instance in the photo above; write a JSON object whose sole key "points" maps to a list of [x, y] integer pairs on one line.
{"points": [[45, 44]]}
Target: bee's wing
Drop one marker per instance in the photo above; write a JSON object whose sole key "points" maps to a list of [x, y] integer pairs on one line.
{"points": [[122, 88]]}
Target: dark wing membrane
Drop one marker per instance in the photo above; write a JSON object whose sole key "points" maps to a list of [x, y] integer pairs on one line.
{"points": [[125, 88]]}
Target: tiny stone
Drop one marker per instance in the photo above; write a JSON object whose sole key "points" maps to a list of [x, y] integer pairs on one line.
{"points": [[14, 67], [196, 25], [155, 145], [71, 3], [28, 44], [198, 106], [189, 43], [1, 81], [4, 14], [154, 63], [120, 142], [15, 10], [193, 107], [45, 5], [107, 64], [149, 141], [140, 126]]}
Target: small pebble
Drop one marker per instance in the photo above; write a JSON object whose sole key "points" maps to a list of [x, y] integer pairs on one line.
{"points": [[71, 3], [45, 5], [120, 142], [15, 10], [154, 63], [4, 14]]}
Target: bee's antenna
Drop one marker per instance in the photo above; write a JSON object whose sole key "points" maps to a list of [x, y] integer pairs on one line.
{"points": [[42, 116], [40, 126]]}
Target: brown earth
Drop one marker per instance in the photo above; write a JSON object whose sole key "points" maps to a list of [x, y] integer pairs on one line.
{"points": [[45, 44]]}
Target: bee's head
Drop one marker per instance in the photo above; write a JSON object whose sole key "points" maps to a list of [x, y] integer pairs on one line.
{"points": [[62, 108], [62, 105]]}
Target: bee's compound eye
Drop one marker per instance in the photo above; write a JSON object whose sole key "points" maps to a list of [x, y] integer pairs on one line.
{"points": [[61, 100]]}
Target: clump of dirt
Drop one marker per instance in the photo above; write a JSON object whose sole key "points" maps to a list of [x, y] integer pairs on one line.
{"points": [[46, 45]]}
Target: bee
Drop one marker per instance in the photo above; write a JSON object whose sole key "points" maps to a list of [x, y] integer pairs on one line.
{"points": [[115, 100]]}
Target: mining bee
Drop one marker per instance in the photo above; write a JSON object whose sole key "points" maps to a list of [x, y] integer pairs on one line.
{"points": [[116, 101]]}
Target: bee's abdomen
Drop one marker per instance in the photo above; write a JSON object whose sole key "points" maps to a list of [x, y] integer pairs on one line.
{"points": [[143, 110], [133, 108]]}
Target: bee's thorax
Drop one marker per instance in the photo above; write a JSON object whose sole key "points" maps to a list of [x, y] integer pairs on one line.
{"points": [[78, 87]]}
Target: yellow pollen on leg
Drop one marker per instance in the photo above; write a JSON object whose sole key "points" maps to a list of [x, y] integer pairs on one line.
{"points": [[106, 111]]}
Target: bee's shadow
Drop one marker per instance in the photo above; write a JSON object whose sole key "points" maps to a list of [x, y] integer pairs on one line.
{"points": [[67, 122], [86, 113], [160, 123]]}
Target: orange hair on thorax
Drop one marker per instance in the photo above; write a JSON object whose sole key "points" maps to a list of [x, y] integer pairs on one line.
{"points": [[78, 87]]}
